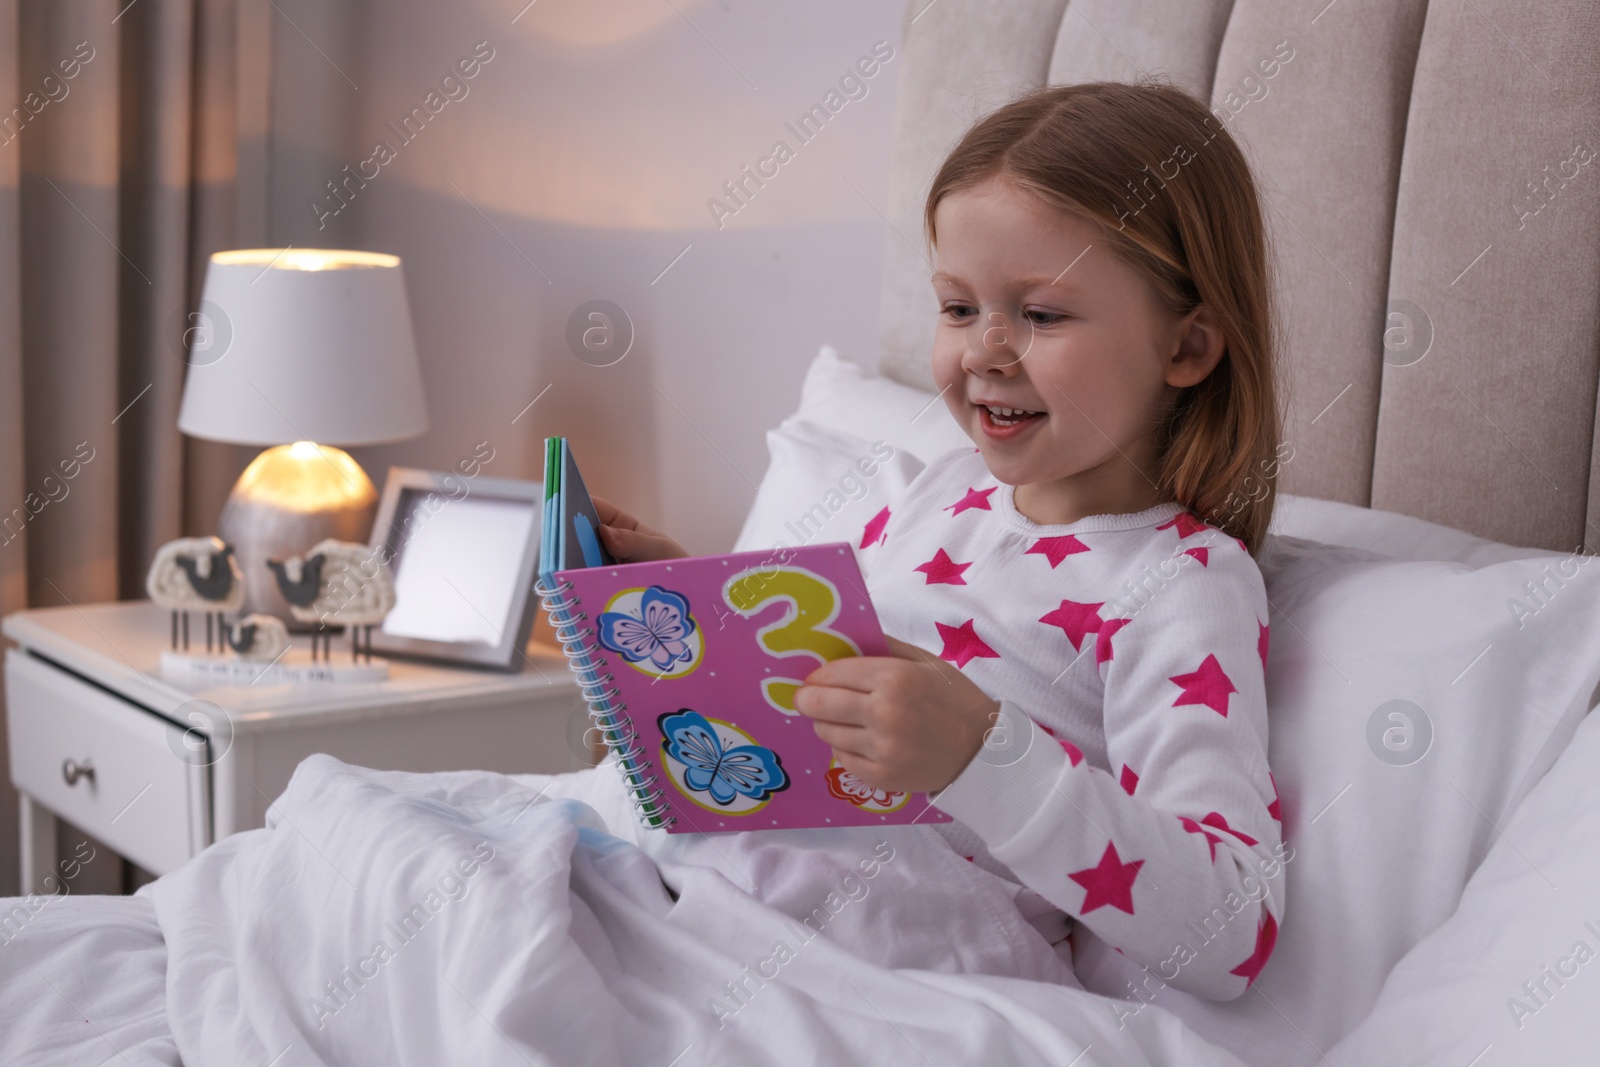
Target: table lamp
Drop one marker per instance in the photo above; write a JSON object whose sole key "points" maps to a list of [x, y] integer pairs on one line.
{"points": [[311, 349]]}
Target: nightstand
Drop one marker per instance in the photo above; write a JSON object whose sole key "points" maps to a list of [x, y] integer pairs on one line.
{"points": [[157, 768]]}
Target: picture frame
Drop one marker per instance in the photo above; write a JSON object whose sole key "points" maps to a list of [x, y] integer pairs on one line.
{"points": [[463, 551]]}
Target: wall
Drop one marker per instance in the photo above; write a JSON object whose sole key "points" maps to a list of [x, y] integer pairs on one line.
{"points": [[576, 165]]}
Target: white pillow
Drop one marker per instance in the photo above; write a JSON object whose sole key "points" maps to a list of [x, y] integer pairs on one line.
{"points": [[822, 485], [1387, 533], [843, 396], [1526, 908]]}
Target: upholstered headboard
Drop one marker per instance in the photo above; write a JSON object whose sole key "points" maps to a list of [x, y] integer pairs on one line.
{"points": [[1430, 169]]}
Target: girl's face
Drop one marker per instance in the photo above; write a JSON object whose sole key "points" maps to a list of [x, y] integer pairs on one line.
{"points": [[1054, 355]]}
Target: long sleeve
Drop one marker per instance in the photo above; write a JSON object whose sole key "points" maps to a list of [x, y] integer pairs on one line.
{"points": [[1175, 859]]}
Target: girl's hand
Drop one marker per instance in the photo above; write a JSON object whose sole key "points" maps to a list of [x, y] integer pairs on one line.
{"points": [[908, 722], [630, 540]]}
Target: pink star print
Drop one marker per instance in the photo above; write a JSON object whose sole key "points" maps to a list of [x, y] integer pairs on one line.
{"points": [[975, 498], [1261, 642], [1056, 549], [1275, 809], [1186, 523], [1075, 619], [962, 644], [872, 533], [942, 569], [1215, 819], [1195, 828], [1130, 781], [1266, 938], [1102, 641], [1074, 753], [1108, 882], [1208, 685], [1201, 554]]}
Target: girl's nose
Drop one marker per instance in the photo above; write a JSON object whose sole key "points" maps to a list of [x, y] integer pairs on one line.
{"points": [[996, 342]]}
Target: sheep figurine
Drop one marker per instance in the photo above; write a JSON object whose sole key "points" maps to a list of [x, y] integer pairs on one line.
{"points": [[337, 583], [195, 574], [258, 638]]}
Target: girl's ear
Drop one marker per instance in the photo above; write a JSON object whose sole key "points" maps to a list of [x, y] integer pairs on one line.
{"points": [[1201, 347]]}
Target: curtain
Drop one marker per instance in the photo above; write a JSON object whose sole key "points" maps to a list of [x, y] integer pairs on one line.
{"points": [[133, 141]]}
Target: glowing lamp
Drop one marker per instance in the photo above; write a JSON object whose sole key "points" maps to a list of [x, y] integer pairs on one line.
{"points": [[303, 350]]}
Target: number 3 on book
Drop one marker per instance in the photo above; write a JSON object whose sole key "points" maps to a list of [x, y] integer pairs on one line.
{"points": [[803, 630]]}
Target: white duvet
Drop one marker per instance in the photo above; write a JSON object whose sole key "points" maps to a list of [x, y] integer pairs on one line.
{"points": [[474, 918], [388, 918]]}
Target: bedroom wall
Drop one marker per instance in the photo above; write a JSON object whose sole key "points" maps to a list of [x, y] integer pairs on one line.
{"points": [[577, 164]]}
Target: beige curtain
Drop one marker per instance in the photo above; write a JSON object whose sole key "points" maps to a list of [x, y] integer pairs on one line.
{"points": [[125, 129]]}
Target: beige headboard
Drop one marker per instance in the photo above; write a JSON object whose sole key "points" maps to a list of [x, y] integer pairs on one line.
{"points": [[1425, 165]]}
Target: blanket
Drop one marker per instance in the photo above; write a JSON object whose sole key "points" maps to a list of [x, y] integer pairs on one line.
{"points": [[392, 918]]}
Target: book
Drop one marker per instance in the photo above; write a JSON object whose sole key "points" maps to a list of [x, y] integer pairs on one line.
{"points": [[690, 667], [570, 525]]}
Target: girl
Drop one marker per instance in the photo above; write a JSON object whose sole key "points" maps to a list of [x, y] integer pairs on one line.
{"points": [[1078, 621]]}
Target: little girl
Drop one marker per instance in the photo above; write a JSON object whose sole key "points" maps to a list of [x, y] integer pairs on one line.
{"points": [[1078, 622]]}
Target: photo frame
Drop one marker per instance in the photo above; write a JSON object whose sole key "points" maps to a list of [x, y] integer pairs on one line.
{"points": [[463, 552]]}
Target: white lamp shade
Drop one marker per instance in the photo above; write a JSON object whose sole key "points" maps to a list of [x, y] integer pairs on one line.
{"points": [[304, 345]]}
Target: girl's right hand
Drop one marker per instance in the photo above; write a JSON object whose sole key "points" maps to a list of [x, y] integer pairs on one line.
{"points": [[630, 540]]}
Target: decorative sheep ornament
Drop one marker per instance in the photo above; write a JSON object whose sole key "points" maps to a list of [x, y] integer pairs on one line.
{"points": [[258, 638], [337, 583], [195, 574]]}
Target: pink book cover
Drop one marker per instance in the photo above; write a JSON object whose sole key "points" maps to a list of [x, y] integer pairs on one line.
{"points": [[704, 656]]}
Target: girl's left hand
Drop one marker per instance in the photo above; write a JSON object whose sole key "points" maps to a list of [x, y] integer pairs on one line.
{"points": [[909, 722]]}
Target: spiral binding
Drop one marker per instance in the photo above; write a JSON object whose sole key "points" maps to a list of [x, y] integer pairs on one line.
{"points": [[615, 728]]}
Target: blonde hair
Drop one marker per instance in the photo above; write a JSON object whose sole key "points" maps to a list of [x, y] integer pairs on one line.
{"points": [[1175, 196]]}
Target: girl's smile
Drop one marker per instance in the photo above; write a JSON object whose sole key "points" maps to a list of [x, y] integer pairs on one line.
{"points": [[1003, 423]]}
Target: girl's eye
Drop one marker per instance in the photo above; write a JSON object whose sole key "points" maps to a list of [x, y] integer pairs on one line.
{"points": [[959, 311], [1045, 318]]}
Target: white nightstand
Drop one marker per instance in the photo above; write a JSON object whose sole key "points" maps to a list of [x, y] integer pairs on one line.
{"points": [[169, 776]]}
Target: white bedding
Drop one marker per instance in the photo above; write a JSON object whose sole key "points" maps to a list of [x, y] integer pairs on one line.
{"points": [[536, 936], [83, 981], [1513, 976], [564, 945]]}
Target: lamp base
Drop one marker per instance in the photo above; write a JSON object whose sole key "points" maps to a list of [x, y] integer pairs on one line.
{"points": [[288, 499]]}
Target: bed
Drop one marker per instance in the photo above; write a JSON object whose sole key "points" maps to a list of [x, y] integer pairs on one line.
{"points": [[1429, 684]]}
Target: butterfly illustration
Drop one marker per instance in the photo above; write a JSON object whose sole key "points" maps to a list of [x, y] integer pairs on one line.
{"points": [[659, 633], [726, 773]]}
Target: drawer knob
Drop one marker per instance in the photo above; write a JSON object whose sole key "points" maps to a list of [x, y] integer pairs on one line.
{"points": [[72, 770]]}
